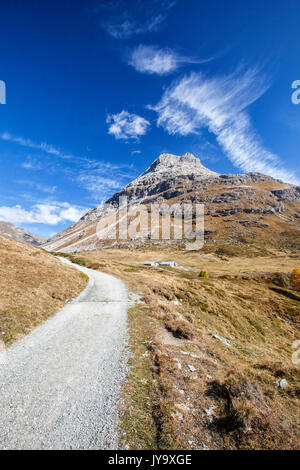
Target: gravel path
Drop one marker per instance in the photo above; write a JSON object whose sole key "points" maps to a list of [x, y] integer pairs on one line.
{"points": [[60, 385]]}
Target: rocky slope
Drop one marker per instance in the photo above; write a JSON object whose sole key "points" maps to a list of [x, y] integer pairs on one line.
{"points": [[10, 231], [237, 207]]}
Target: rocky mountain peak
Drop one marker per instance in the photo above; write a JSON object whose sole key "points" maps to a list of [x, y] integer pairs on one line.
{"points": [[171, 165]]}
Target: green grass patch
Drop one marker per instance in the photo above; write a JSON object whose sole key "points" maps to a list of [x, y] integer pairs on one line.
{"points": [[132, 269], [83, 275]]}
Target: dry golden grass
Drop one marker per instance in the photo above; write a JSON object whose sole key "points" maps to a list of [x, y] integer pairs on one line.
{"points": [[212, 385], [33, 286], [295, 281], [214, 263]]}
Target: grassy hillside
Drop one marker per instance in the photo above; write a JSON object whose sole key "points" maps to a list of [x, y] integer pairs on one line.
{"points": [[33, 286], [211, 364]]}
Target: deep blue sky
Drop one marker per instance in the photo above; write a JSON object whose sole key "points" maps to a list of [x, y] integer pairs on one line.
{"points": [[96, 90]]}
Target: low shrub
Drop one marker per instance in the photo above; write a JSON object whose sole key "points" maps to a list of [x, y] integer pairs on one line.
{"points": [[295, 279], [203, 274], [79, 261]]}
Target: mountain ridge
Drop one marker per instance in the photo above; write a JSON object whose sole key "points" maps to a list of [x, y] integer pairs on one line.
{"points": [[181, 179], [11, 232]]}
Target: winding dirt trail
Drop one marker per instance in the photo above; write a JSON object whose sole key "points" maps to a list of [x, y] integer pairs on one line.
{"points": [[60, 385]]}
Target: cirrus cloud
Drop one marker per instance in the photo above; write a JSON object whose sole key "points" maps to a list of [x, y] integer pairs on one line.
{"points": [[98, 177], [124, 20], [42, 146], [219, 104]]}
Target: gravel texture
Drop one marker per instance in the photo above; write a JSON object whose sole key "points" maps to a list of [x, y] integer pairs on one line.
{"points": [[60, 385]]}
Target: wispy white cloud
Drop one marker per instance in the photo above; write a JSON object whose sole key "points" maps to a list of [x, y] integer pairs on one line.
{"points": [[160, 61], [38, 162], [98, 177], [31, 163], [136, 152], [219, 104], [47, 213], [125, 125], [100, 187], [127, 28], [104, 179], [37, 186], [42, 146], [135, 17]]}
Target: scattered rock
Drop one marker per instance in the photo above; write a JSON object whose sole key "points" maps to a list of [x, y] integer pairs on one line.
{"points": [[178, 363], [135, 298], [283, 384], [287, 194], [221, 338], [210, 411]]}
